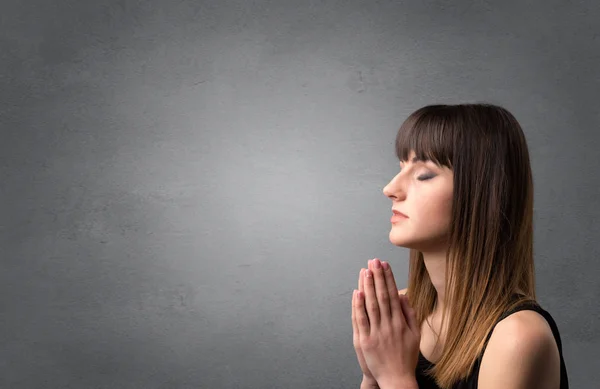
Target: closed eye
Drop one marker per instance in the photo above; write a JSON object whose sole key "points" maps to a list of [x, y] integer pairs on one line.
{"points": [[425, 177]]}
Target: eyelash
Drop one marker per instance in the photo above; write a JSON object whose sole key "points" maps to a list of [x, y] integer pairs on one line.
{"points": [[424, 177]]}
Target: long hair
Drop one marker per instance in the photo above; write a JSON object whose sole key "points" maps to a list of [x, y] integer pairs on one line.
{"points": [[490, 252]]}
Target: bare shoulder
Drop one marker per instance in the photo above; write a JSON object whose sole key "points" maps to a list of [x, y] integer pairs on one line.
{"points": [[521, 353], [402, 291]]}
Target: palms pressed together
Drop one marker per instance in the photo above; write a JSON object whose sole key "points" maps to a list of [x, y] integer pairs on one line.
{"points": [[386, 336]]}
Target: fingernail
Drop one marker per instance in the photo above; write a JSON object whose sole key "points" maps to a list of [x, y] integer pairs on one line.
{"points": [[377, 263]]}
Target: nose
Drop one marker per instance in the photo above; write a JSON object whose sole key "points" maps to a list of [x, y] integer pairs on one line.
{"points": [[394, 189]]}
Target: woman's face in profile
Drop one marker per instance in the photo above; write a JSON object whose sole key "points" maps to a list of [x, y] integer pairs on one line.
{"points": [[423, 192]]}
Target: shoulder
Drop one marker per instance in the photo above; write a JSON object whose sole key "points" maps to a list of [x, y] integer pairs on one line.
{"points": [[521, 353], [402, 291]]}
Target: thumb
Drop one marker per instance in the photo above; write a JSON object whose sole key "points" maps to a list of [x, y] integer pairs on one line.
{"points": [[409, 313]]}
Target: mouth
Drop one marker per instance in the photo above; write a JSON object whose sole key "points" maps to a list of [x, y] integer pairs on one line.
{"points": [[397, 217], [398, 213]]}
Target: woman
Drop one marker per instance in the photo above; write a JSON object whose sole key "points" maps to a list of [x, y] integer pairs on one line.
{"points": [[463, 204]]}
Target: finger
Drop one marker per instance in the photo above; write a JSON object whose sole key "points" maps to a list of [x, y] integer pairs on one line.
{"points": [[361, 286], [383, 296], [362, 321], [390, 281], [354, 325], [395, 306], [371, 304], [361, 281], [353, 316]]}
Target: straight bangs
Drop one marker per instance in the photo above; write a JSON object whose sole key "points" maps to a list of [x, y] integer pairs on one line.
{"points": [[429, 133]]}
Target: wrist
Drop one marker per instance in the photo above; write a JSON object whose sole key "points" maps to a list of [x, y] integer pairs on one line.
{"points": [[399, 383], [369, 383]]}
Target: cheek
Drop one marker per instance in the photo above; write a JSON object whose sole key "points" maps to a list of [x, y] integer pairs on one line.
{"points": [[435, 211]]}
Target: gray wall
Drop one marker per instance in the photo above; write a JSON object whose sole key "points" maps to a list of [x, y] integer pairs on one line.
{"points": [[189, 189]]}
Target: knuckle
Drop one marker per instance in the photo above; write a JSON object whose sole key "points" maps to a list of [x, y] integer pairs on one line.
{"points": [[368, 344]]}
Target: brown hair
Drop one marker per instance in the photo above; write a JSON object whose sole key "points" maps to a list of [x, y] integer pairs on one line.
{"points": [[490, 254]]}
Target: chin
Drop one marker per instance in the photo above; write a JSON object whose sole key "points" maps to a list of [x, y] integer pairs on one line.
{"points": [[401, 241], [422, 244]]}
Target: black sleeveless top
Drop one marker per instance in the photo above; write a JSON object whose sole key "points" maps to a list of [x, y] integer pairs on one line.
{"points": [[426, 382]]}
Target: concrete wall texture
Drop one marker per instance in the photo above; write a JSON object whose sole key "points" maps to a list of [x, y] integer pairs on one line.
{"points": [[190, 188]]}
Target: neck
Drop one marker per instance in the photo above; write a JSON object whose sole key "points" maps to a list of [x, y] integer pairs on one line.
{"points": [[435, 262]]}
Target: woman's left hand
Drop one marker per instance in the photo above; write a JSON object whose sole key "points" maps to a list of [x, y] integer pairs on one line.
{"points": [[387, 327]]}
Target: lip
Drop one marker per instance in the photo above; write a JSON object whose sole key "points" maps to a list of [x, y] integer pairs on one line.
{"points": [[395, 212]]}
